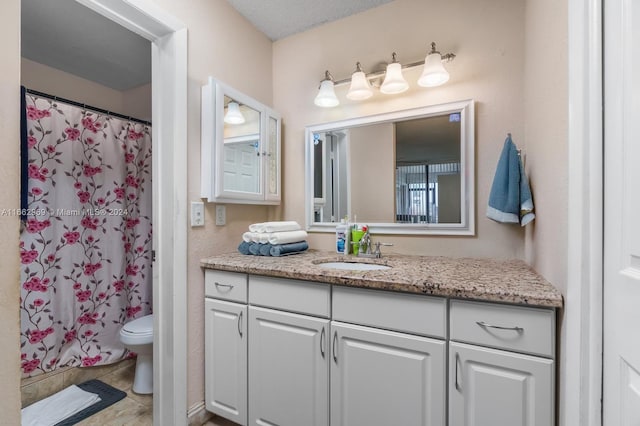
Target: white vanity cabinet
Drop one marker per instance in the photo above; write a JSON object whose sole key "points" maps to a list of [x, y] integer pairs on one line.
{"points": [[226, 345], [240, 155], [288, 352], [503, 375], [381, 377]]}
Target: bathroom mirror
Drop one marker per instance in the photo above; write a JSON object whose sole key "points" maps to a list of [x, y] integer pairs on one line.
{"points": [[404, 172]]}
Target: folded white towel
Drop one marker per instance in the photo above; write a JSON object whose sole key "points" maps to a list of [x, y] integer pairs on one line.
{"points": [[256, 237], [256, 227], [282, 226], [287, 237], [57, 407], [277, 226]]}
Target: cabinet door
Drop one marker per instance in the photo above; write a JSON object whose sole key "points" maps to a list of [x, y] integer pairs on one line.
{"points": [[386, 378], [226, 359], [271, 156], [499, 388], [288, 369]]}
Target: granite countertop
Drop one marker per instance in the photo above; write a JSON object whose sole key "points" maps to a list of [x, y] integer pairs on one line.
{"points": [[509, 281]]}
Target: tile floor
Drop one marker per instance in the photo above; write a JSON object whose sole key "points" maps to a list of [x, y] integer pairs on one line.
{"points": [[133, 410]]}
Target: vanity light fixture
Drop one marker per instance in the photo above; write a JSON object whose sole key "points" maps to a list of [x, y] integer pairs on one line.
{"points": [[326, 96], [233, 115], [360, 88], [394, 82], [433, 74]]}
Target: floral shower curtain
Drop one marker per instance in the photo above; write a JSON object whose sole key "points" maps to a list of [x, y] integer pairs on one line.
{"points": [[86, 245]]}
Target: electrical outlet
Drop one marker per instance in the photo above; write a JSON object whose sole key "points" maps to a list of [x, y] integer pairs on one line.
{"points": [[221, 215], [197, 213]]}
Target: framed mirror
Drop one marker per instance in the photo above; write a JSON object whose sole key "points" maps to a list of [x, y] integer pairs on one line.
{"points": [[404, 172]]}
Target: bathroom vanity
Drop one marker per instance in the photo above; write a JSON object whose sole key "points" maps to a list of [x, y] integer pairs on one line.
{"points": [[429, 341]]}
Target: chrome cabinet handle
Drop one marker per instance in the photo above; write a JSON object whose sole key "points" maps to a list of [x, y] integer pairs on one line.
{"points": [[218, 285], [484, 324], [334, 349], [322, 343], [458, 385], [240, 324]]}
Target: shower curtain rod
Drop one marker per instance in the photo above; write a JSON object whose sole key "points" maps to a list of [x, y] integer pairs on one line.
{"points": [[85, 106]]}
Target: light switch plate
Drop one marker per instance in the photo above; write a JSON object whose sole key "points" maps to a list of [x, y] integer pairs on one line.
{"points": [[221, 215], [197, 213]]}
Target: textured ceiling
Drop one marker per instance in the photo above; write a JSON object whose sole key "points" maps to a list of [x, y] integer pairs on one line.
{"points": [[65, 35], [281, 18]]}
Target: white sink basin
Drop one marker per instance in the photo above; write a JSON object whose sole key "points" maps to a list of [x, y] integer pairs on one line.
{"points": [[354, 266]]}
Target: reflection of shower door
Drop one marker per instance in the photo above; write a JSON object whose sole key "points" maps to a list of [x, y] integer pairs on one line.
{"points": [[241, 168]]}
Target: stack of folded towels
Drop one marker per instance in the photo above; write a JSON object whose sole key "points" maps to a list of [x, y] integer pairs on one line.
{"points": [[274, 239]]}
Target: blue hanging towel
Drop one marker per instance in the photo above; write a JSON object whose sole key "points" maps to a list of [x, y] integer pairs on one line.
{"points": [[510, 199]]}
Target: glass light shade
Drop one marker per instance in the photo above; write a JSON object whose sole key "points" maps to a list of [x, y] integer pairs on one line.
{"points": [[394, 82], [326, 95], [434, 73], [233, 115], [360, 88]]}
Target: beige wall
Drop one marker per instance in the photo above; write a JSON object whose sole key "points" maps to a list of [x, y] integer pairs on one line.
{"points": [[224, 45], [135, 102], [488, 37], [546, 112], [10, 199], [372, 163], [449, 198], [546, 148]]}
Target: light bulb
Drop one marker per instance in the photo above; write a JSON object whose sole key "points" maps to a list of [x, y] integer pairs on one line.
{"points": [[360, 88], [326, 96], [434, 73], [394, 82], [233, 115]]}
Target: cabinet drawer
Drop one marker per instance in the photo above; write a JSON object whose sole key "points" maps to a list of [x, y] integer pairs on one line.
{"points": [[411, 313], [516, 328], [225, 285], [290, 295]]}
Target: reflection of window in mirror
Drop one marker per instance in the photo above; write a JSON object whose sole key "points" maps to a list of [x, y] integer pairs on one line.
{"points": [[427, 175]]}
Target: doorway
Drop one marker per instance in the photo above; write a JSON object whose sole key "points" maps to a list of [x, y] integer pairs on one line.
{"points": [[168, 39]]}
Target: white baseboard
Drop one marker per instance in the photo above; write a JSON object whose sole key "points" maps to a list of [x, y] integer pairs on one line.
{"points": [[197, 415]]}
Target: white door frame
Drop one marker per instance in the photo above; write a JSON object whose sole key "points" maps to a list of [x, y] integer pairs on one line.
{"points": [[581, 348], [169, 132]]}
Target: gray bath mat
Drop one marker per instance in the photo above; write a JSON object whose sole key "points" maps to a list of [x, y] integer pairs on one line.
{"points": [[108, 396]]}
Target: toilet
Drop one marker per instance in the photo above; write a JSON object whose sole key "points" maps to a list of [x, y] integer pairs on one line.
{"points": [[137, 336]]}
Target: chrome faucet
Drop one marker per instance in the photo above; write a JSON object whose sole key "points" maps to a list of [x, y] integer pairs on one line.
{"points": [[364, 249]]}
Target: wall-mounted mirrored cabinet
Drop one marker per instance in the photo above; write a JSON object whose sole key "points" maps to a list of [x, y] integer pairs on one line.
{"points": [[240, 147], [404, 172]]}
